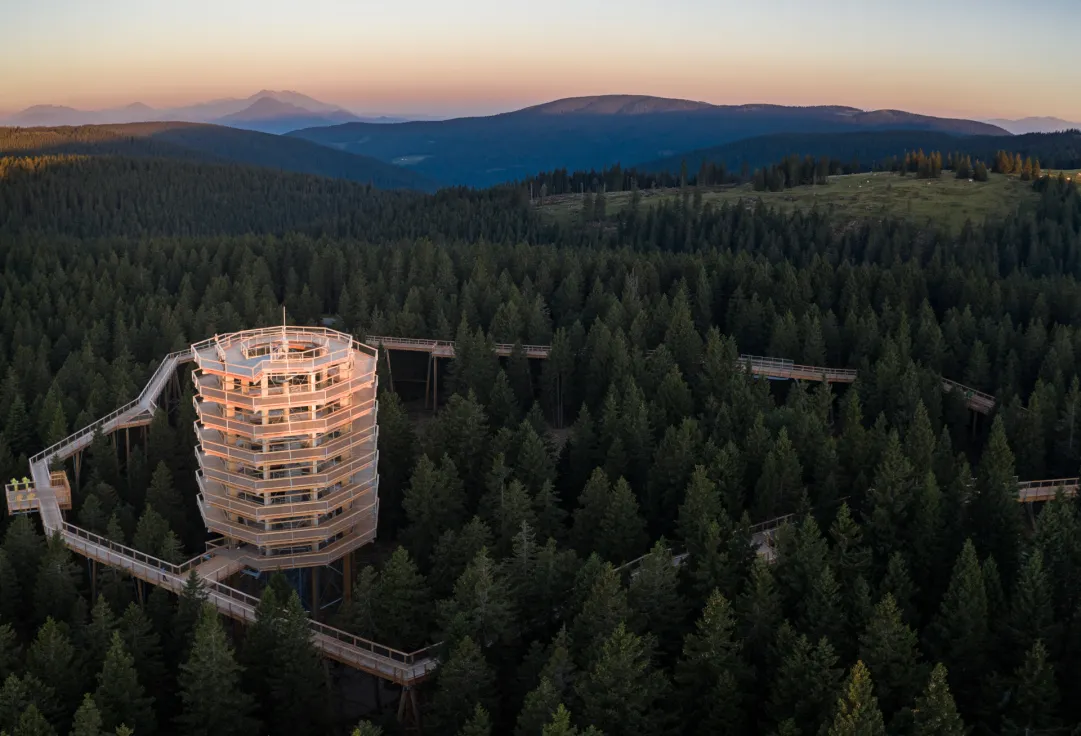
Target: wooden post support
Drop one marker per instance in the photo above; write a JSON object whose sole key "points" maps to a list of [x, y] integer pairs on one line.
{"points": [[435, 382], [315, 593], [427, 380], [78, 466], [347, 578]]}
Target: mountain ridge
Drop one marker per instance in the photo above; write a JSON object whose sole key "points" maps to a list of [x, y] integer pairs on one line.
{"points": [[597, 131], [201, 142]]}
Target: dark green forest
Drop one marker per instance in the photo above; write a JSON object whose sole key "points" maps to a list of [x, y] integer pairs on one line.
{"points": [[531, 526]]}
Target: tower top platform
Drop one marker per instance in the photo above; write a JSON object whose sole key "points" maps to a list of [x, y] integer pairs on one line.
{"points": [[252, 353]]}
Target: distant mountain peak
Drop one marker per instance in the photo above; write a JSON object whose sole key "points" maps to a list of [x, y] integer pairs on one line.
{"points": [[265, 108]]}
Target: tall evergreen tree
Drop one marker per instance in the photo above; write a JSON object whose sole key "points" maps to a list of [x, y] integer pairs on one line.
{"points": [[622, 693], [120, 696], [857, 710], [935, 713], [209, 681]]}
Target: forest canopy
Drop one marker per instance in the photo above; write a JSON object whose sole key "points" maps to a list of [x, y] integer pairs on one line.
{"points": [[908, 592]]}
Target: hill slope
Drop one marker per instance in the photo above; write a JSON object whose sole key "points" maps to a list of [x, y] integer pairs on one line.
{"points": [[213, 143], [593, 132], [1054, 150]]}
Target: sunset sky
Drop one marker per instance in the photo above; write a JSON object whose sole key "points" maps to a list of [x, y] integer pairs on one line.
{"points": [[972, 58]]}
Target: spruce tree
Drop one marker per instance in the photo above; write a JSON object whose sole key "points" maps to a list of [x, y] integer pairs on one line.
{"points": [[479, 725], [209, 682], [604, 608], [33, 723], [87, 721], [433, 503], [935, 713], [803, 690], [857, 710], [996, 515], [120, 696], [711, 673], [295, 681], [959, 635], [655, 600], [463, 681], [1035, 699], [401, 603], [540, 704], [55, 587], [888, 649], [621, 693], [52, 659], [481, 607]]}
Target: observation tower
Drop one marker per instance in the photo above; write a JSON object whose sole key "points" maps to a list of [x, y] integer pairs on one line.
{"points": [[287, 444]]}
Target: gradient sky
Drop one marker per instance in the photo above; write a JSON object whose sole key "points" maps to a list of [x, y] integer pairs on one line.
{"points": [[973, 58]]}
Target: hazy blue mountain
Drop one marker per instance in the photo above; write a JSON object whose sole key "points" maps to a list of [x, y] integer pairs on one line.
{"points": [[209, 143], [272, 115], [592, 132], [1036, 125]]}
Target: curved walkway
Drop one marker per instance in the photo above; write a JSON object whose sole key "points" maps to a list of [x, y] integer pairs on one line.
{"points": [[47, 494]]}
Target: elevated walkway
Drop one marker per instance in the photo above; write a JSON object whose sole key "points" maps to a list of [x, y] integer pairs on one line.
{"points": [[759, 365], [47, 492]]}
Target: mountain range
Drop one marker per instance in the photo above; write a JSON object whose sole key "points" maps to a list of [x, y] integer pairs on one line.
{"points": [[268, 111], [592, 132], [1035, 125]]}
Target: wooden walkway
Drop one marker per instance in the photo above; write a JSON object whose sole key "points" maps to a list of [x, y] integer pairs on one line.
{"points": [[215, 565], [772, 368], [218, 563]]}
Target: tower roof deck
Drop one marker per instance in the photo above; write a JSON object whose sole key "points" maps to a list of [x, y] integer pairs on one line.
{"points": [[252, 353]]}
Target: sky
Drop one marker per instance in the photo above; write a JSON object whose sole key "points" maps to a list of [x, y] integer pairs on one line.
{"points": [[969, 58]]}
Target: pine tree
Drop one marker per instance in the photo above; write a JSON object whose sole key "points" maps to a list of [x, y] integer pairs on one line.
{"points": [[55, 588], [804, 688], [781, 482], [1031, 615], [10, 651], [935, 713], [540, 704], [209, 682], [188, 612], [162, 496], [401, 603], [1035, 698], [295, 681], [996, 517], [463, 681], [561, 725], [621, 693], [604, 607], [120, 696], [655, 600], [857, 710], [622, 533], [888, 649], [960, 634], [87, 720], [143, 643], [481, 607], [33, 723], [479, 725], [711, 674], [433, 503], [51, 658]]}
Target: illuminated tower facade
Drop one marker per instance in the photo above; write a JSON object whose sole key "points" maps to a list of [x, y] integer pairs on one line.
{"points": [[287, 444]]}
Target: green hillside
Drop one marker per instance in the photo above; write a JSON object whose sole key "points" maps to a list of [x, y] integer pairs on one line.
{"points": [[947, 201], [209, 143]]}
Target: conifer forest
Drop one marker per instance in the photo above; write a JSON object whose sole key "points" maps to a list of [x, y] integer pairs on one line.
{"points": [[573, 535]]}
